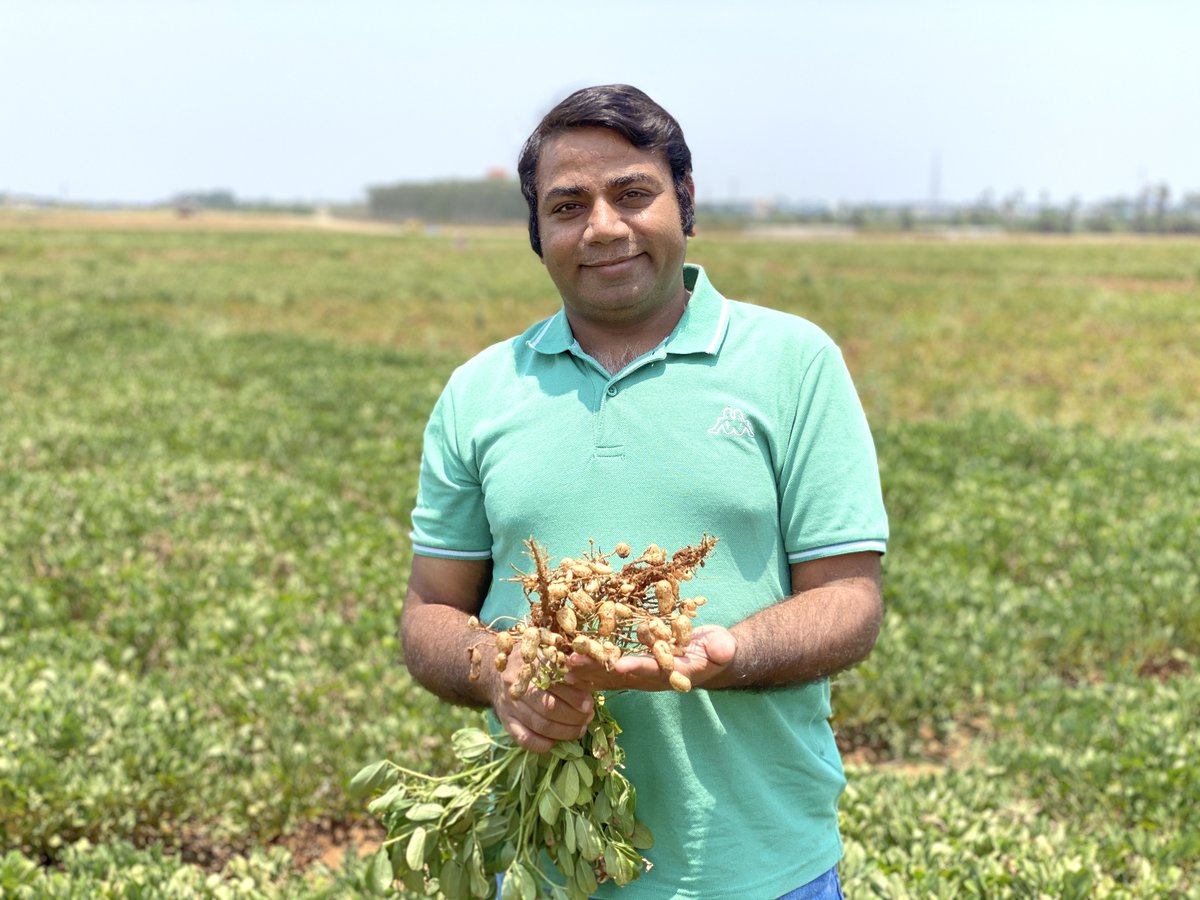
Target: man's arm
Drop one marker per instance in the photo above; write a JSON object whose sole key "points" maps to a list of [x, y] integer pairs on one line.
{"points": [[829, 622], [443, 594]]}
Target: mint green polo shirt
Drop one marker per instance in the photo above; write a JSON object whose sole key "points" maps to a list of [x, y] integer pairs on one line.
{"points": [[742, 424]]}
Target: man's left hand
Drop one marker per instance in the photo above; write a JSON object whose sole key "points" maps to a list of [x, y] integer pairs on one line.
{"points": [[709, 653]]}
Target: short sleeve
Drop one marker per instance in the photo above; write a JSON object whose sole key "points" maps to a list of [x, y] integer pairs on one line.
{"points": [[831, 499], [449, 519]]}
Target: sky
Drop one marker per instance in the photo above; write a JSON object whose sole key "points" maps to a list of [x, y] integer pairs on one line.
{"points": [[804, 100]]}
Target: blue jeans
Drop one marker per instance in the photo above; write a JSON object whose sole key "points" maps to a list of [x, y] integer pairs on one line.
{"points": [[823, 887]]}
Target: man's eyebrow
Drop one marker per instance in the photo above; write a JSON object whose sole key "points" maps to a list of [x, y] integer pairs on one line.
{"points": [[570, 190], [632, 178], [619, 181]]}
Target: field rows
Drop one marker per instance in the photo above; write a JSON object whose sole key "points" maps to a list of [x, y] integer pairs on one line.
{"points": [[208, 457]]}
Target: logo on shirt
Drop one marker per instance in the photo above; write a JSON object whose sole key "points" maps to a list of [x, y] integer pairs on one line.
{"points": [[732, 423]]}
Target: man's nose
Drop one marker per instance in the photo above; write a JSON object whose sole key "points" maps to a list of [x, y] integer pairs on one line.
{"points": [[605, 223]]}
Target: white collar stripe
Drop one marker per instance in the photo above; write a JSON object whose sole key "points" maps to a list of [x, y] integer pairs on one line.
{"points": [[541, 333], [720, 329]]}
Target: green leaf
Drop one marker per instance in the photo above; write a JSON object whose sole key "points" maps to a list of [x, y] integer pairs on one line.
{"points": [[585, 878], [425, 812], [587, 836], [384, 802], [600, 742], [490, 829], [414, 880], [612, 859], [602, 808], [481, 886], [451, 879], [567, 784], [628, 867], [519, 883], [528, 885], [568, 832], [584, 771], [642, 838], [379, 876], [548, 807], [507, 854], [370, 779], [470, 743], [414, 855], [567, 750], [529, 773]]}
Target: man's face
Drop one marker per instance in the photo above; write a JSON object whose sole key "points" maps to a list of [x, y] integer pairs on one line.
{"points": [[612, 236]]}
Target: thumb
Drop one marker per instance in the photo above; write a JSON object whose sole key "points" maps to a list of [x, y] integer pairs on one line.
{"points": [[718, 643]]}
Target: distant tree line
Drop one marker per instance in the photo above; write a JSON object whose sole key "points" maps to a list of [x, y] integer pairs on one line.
{"points": [[484, 200], [1153, 211], [225, 201]]}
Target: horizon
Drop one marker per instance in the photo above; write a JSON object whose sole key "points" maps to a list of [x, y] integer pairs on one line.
{"points": [[938, 103]]}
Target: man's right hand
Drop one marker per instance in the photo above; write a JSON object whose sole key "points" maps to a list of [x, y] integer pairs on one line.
{"points": [[539, 719], [443, 594]]}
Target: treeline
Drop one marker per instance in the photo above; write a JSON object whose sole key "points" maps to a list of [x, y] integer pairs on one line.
{"points": [[487, 200], [1153, 211], [225, 201]]}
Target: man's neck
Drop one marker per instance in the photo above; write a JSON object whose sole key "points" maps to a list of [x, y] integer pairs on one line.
{"points": [[616, 345]]}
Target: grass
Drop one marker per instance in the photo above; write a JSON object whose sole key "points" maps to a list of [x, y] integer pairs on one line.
{"points": [[209, 454]]}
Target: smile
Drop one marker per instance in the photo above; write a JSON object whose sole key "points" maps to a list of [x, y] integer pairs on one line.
{"points": [[613, 265]]}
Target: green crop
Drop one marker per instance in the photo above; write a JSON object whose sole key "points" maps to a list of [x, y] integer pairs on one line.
{"points": [[209, 444], [502, 810]]}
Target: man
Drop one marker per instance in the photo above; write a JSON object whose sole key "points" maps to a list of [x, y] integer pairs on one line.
{"points": [[650, 409]]}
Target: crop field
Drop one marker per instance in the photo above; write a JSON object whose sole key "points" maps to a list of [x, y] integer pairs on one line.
{"points": [[209, 440]]}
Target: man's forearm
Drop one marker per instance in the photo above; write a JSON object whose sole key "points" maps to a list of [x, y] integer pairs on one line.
{"points": [[436, 642], [804, 637]]}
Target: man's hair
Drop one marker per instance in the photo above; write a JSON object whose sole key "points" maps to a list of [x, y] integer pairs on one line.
{"points": [[627, 111]]}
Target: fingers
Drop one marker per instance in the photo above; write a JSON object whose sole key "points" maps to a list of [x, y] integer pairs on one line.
{"points": [[718, 644], [541, 718], [528, 739], [565, 702], [710, 651]]}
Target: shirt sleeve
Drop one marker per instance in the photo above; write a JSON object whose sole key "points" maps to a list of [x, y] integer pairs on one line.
{"points": [[831, 499], [449, 519]]}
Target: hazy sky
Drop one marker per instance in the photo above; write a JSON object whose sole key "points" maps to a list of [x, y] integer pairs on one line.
{"points": [[836, 100]]}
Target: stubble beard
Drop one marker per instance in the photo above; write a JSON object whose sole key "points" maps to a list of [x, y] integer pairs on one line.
{"points": [[615, 360]]}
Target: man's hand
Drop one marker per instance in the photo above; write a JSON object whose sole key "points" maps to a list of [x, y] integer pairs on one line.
{"points": [[710, 651], [539, 719], [829, 622]]}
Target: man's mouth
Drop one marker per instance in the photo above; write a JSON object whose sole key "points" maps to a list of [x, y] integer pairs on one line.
{"points": [[610, 263]]}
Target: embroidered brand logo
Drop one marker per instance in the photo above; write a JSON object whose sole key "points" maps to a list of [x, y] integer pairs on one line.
{"points": [[732, 423]]}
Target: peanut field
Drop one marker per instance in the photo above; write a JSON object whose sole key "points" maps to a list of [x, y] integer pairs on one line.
{"points": [[209, 439]]}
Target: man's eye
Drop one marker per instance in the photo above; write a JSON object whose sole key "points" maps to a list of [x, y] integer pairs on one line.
{"points": [[564, 208]]}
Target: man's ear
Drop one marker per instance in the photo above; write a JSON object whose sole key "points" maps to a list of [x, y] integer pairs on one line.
{"points": [[690, 186]]}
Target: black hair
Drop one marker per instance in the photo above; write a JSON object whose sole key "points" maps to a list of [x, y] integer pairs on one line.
{"points": [[633, 115]]}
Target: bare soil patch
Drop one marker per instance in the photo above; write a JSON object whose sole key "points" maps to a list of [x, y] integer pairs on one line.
{"points": [[327, 842]]}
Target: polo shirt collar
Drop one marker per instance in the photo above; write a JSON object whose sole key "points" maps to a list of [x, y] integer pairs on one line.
{"points": [[701, 328]]}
